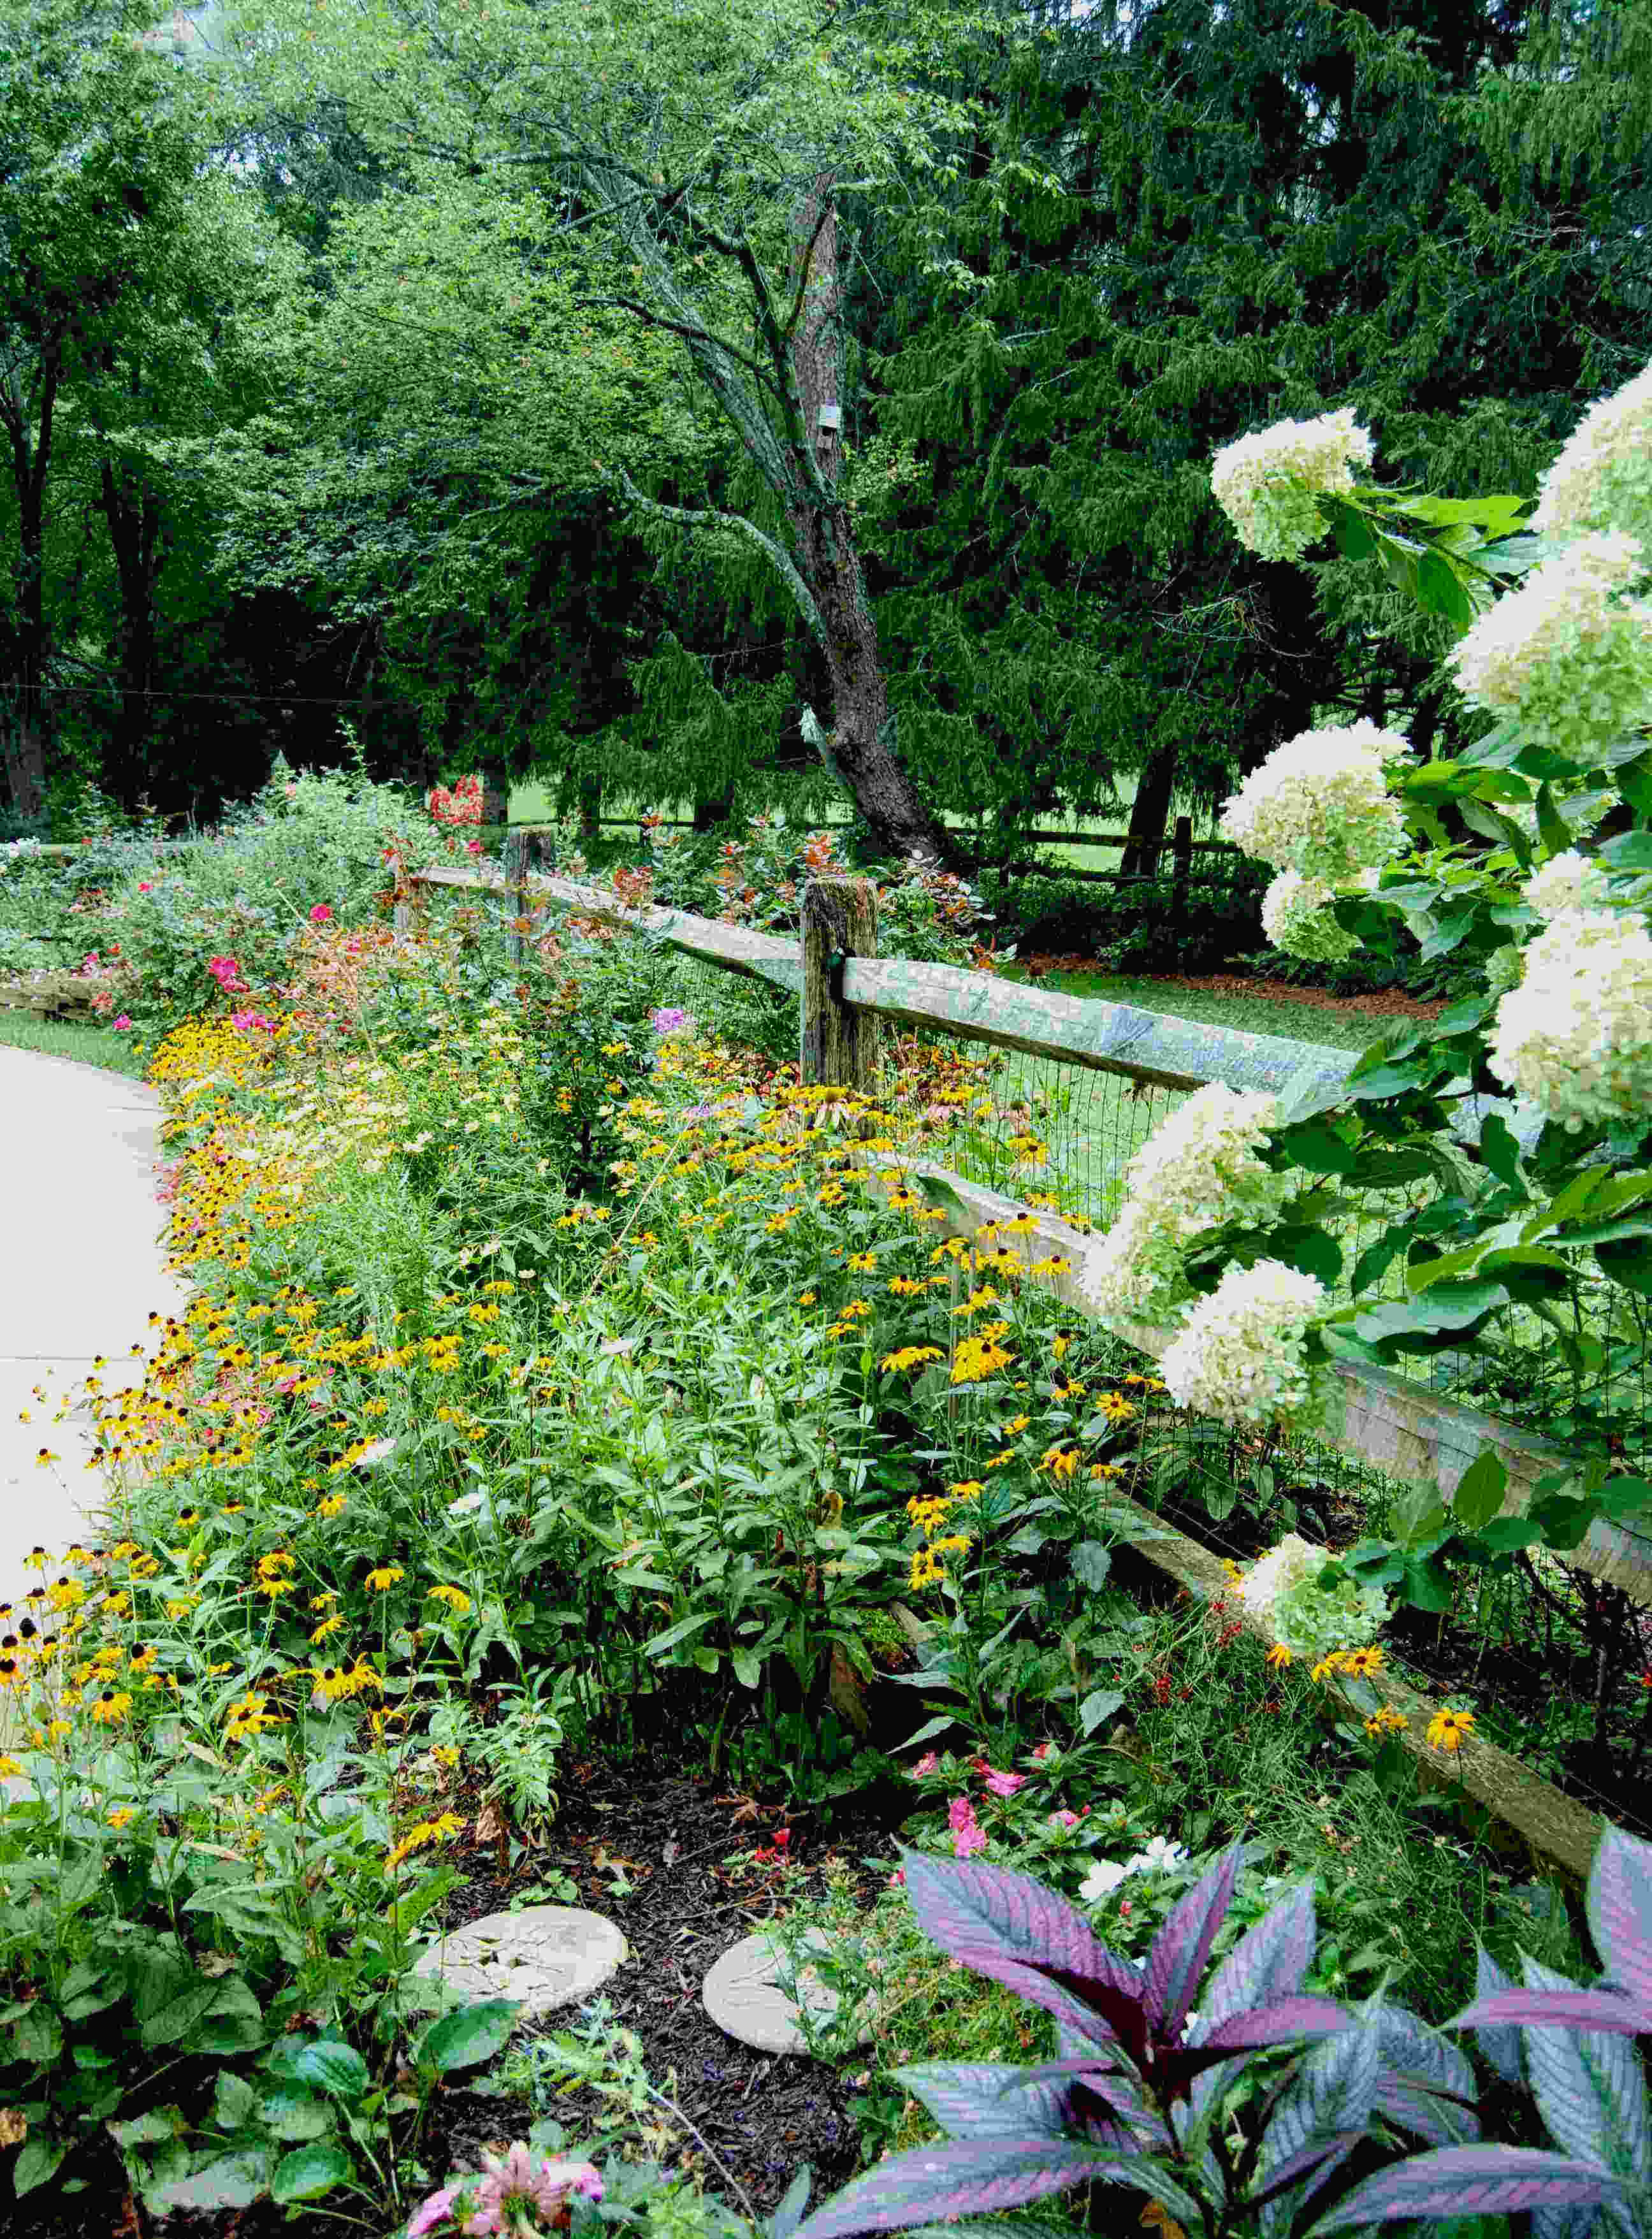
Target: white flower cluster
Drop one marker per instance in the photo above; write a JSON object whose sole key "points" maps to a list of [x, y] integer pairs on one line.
{"points": [[1161, 1856], [1576, 1035], [1570, 882], [1566, 651], [1320, 804], [1296, 917], [1241, 1353], [1265, 482], [1196, 1170], [1603, 479], [1282, 1587]]}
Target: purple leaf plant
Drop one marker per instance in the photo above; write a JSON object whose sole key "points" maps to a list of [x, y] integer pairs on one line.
{"points": [[1140, 2100]]}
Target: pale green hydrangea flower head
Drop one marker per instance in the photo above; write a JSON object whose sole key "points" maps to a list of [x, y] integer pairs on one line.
{"points": [[1241, 1352], [1296, 917], [1603, 479], [1282, 1588], [1320, 804], [1265, 482]]}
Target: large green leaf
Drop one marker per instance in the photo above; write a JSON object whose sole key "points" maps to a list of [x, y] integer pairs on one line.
{"points": [[309, 2171], [324, 2063], [466, 2038], [1481, 1491]]}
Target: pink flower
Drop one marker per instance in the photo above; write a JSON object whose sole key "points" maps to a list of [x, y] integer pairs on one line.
{"points": [[927, 1764], [146, 885], [123, 1025], [431, 2212], [319, 914], [1043, 1751], [472, 846], [1063, 1819], [87, 962], [968, 1836], [519, 2182], [1005, 1784]]}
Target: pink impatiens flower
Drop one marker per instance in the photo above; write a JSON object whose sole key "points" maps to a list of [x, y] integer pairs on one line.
{"points": [[319, 914], [146, 885], [1063, 1819], [123, 1025], [1005, 1784], [968, 1835], [927, 1764]]}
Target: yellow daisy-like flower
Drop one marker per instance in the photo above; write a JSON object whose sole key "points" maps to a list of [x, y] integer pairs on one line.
{"points": [[863, 1263], [1014, 1427], [275, 1588], [122, 1817], [911, 1356], [957, 1544], [1326, 1666], [1060, 1461], [1115, 1407], [333, 1506], [808, 1297], [275, 1563], [1447, 1730], [110, 1707], [455, 1597], [1386, 1722], [326, 1628], [1099, 1470], [10, 1767], [1278, 1656], [1360, 1662], [381, 1580], [967, 1489]]}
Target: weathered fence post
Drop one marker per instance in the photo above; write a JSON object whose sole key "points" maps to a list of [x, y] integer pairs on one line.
{"points": [[1181, 847], [839, 1046], [516, 850]]}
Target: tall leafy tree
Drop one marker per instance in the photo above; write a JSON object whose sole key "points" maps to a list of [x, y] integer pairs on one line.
{"points": [[713, 145], [1269, 209]]}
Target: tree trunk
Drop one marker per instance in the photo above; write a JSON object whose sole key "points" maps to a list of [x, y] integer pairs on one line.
{"points": [[860, 748], [28, 716], [1150, 813], [591, 805], [134, 520]]}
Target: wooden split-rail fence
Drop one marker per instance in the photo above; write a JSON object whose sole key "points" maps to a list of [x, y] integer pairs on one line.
{"points": [[844, 989]]}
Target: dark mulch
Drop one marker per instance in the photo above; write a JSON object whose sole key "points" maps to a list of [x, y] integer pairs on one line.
{"points": [[650, 1849]]}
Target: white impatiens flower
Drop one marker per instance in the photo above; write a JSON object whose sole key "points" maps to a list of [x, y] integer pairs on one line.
{"points": [[1265, 482], [1603, 479], [1161, 1856], [1101, 1881], [1296, 917], [1570, 882], [1320, 804], [1197, 1169], [1241, 1353], [1282, 1589], [1567, 653], [1576, 1035]]}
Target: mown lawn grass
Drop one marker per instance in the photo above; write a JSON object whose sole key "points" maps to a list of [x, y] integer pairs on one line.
{"points": [[87, 1045]]}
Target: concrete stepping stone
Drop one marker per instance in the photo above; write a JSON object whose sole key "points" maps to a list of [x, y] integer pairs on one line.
{"points": [[742, 1993], [545, 1955]]}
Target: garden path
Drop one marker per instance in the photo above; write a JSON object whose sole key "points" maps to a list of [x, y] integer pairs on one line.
{"points": [[81, 1271]]}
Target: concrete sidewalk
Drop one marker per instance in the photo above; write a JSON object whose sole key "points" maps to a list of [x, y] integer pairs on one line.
{"points": [[81, 1271]]}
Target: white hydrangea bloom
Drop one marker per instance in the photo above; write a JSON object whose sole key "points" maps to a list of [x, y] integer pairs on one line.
{"points": [[1320, 804], [1603, 479], [1265, 482], [1576, 1035], [1196, 1170], [1296, 916], [1282, 1589], [1566, 651], [1570, 882], [1240, 1355]]}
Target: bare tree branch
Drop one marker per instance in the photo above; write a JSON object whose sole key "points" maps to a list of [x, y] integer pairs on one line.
{"points": [[710, 517]]}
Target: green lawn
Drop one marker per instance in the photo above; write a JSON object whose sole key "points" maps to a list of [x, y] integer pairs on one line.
{"points": [[99, 1046], [1247, 1014]]}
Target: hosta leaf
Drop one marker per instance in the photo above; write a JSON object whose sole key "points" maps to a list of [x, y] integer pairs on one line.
{"points": [[468, 2036], [1619, 1904], [972, 2176], [309, 2171], [1470, 2181], [1180, 1950]]}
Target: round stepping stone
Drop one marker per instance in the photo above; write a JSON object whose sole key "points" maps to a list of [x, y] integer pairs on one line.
{"points": [[742, 1995], [545, 1955]]}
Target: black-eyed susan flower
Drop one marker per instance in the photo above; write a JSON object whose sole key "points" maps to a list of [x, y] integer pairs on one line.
{"points": [[1386, 1721], [110, 1707], [454, 1598], [1278, 1656], [1360, 1662], [121, 1817], [1448, 1730], [387, 1575]]}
